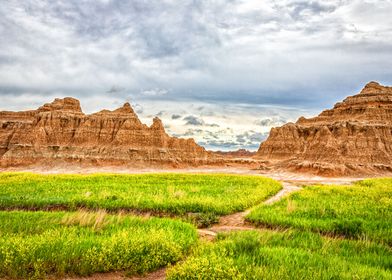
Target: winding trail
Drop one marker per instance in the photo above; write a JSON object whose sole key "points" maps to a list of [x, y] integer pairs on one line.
{"points": [[286, 190], [236, 221]]}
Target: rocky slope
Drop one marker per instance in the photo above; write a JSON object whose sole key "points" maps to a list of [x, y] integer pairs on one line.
{"points": [[353, 137], [59, 132]]}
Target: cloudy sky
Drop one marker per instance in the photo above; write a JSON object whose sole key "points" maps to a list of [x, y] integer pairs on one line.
{"points": [[223, 72]]}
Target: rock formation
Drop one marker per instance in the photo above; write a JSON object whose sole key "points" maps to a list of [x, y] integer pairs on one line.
{"points": [[59, 132], [240, 153], [353, 137]]}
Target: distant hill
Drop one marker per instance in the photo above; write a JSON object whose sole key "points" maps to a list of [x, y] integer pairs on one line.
{"points": [[239, 153]]}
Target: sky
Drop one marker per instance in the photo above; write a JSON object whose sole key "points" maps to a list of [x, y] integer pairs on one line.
{"points": [[223, 72]]}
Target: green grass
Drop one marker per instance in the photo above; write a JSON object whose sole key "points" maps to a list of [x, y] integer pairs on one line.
{"points": [[356, 219], [288, 255], [360, 211], [162, 193], [37, 244]]}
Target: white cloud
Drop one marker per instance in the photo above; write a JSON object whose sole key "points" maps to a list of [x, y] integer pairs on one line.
{"points": [[155, 92]]}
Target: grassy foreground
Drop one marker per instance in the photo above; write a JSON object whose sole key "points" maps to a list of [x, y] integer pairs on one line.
{"points": [[168, 193], [36, 244], [360, 211], [289, 255]]}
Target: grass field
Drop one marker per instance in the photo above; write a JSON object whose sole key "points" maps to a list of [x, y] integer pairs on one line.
{"points": [[167, 193], [360, 211], [288, 255], [354, 222], [34, 244]]}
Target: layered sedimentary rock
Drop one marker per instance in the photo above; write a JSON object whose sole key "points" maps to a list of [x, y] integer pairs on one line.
{"points": [[59, 132], [355, 136]]}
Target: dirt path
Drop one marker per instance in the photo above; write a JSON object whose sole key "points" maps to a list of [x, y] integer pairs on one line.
{"points": [[231, 222], [157, 275], [290, 184], [237, 221], [287, 189]]}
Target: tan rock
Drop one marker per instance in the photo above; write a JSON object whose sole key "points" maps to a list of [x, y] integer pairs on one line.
{"points": [[60, 133], [353, 137]]}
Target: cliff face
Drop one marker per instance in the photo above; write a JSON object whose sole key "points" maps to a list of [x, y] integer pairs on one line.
{"points": [[355, 136], [59, 132]]}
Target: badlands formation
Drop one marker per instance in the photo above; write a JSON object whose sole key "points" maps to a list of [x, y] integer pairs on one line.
{"points": [[355, 137], [59, 133]]}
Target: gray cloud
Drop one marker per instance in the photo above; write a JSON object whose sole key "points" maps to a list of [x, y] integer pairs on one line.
{"points": [[299, 54], [160, 113], [207, 135], [280, 52], [251, 137], [175, 117], [115, 89], [138, 108], [197, 121], [271, 121], [192, 120], [220, 144], [302, 9], [192, 132]]}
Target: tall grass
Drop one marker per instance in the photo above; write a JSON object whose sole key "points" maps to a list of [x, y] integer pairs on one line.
{"points": [[361, 211], [286, 255], [166, 193], [38, 244]]}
